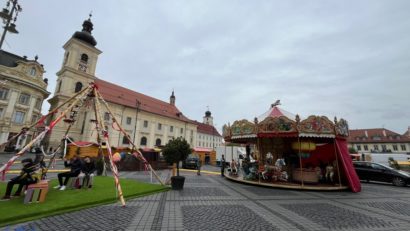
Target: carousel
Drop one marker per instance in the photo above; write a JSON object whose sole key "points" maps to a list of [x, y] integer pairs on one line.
{"points": [[285, 151]]}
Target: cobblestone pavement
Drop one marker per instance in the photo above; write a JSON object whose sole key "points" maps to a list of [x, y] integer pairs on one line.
{"points": [[209, 202]]}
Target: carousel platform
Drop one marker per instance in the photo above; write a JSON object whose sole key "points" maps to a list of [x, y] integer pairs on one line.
{"points": [[288, 185]]}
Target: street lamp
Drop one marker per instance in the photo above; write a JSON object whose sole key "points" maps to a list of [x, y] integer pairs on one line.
{"points": [[9, 18]]}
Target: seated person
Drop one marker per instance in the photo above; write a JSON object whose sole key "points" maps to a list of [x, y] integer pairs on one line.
{"points": [[40, 164], [87, 172], [75, 170], [25, 178]]}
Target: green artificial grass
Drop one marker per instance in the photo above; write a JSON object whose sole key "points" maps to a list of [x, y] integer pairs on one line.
{"points": [[57, 202]]}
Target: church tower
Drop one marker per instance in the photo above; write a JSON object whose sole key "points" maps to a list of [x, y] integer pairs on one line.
{"points": [[172, 98], [208, 119], [77, 71]]}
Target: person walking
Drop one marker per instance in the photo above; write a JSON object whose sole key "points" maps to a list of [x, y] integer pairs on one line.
{"points": [[223, 166], [198, 167]]}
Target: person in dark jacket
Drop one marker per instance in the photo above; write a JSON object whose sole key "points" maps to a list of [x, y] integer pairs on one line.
{"points": [[75, 165], [25, 178], [87, 172]]}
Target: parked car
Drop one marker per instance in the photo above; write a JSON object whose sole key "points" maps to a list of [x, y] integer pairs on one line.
{"points": [[369, 171], [191, 161]]}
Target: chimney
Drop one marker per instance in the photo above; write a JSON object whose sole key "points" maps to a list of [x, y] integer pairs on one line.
{"points": [[365, 133], [384, 133]]}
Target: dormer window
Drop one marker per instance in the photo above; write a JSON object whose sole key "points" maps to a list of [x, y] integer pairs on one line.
{"points": [[33, 71]]}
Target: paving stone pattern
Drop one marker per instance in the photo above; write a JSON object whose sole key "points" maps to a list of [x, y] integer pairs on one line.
{"points": [[200, 191], [230, 217], [268, 191], [210, 202], [334, 217], [401, 208], [115, 218]]}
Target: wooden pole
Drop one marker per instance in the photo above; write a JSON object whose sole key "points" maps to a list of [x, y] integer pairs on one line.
{"points": [[140, 156], [107, 142]]}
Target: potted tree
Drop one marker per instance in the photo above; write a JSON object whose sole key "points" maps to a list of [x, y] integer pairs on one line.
{"points": [[175, 151]]}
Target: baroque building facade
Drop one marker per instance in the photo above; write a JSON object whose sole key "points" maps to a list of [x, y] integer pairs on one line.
{"points": [[22, 92], [149, 121], [378, 140]]}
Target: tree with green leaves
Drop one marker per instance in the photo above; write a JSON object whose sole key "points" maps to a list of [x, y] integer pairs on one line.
{"points": [[176, 150]]}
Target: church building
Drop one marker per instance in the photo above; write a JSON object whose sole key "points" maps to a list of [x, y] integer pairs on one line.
{"points": [[149, 121]]}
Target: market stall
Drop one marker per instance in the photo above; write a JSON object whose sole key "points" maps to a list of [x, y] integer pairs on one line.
{"points": [[293, 153]]}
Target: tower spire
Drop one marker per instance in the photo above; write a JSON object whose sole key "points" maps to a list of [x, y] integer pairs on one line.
{"points": [[172, 98]]}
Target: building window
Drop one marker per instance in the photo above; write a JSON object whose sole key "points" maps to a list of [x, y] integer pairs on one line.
{"points": [[4, 93], [359, 148], [34, 118], [78, 87], [84, 58], [395, 147], [106, 116], [18, 117], [33, 71], [171, 129], [125, 140], [38, 104], [1, 112], [145, 123], [143, 141], [182, 130], [24, 99], [158, 142], [159, 126], [384, 148], [365, 147], [403, 147], [376, 147], [128, 121]]}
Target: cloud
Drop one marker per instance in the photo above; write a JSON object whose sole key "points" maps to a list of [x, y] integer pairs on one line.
{"points": [[336, 58]]}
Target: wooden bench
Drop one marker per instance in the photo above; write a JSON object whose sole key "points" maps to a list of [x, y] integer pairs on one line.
{"points": [[74, 182], [36, 192]]}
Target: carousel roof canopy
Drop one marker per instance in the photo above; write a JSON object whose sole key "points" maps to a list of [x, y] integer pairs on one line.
{"points": [[275, 111], [277, 122]]}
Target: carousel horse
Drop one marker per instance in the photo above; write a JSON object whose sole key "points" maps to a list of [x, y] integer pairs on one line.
{"points": [[233, 168]]}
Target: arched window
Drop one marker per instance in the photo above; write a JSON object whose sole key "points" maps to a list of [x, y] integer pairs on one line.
{"points": [[158, 142], [125, 140], [84, 58], [143, 141], [78, 87], [33, 71]]}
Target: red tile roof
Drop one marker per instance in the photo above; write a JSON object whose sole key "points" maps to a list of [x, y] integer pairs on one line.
{"points": [[123, 96], [206, 129], [376, 135]]}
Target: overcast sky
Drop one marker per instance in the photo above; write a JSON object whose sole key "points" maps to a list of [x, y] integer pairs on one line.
{"points": [[348, 59]]}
